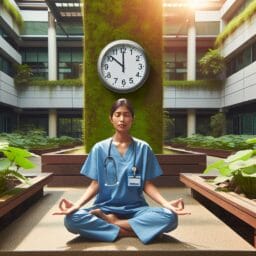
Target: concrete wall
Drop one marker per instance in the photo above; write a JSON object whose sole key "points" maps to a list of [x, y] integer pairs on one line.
{"points": [[9, 51], [240, 87], [8, 93], [191, 98], [45, 97]]}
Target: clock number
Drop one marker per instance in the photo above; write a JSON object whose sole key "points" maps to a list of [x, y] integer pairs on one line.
{"points": [[109, 58], [131, 80], [106, 66], [137, 57], [122, 49], [116, 79], [123, 82], [140, 66], [114, 51], [138, 74], [108, 75], [131, 51]]}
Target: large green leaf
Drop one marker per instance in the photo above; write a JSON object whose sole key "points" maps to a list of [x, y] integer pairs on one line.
{"points": [[249, 165], [24, 162], [4, 164], [216, 165], [240, 155], [251, 141]]}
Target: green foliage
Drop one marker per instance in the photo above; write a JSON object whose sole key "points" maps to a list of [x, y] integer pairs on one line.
{"points": [[235, 23], [15, 14], [240, 169], [103, 25], [226, 142], [218, 124], [23, 75], [212, 64], [208, 84], [46, 83], [36, 139], [65, 82], [11, 160]]}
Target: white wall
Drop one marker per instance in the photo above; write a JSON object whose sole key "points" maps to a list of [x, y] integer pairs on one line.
{"points": [[8, 92], [240, 87], [9, 50], [56, 97], [191, 98]]}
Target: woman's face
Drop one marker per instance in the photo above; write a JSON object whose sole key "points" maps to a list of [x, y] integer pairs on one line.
{"points": [[122, 119]]}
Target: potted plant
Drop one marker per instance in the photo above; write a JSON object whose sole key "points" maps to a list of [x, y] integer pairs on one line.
{"points": [[238, 171]]}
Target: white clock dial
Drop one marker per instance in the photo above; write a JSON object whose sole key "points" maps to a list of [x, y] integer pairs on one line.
{"points": [[122, 66]]}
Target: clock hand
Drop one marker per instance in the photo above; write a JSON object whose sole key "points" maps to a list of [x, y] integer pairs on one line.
{"points": [[118, 62], [123, 68]]}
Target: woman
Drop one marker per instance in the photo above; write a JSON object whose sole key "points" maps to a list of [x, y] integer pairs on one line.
{"points": [[121, 169]]}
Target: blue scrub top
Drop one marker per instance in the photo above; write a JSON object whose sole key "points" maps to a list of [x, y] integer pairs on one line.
{"points": [[121, 198]]}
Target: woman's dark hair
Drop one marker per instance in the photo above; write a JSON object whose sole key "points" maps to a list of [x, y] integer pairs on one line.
{"points": [[120, 103]]}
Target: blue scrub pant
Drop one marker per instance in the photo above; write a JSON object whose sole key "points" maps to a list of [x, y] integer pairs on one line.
{"points": [[147, 223]]}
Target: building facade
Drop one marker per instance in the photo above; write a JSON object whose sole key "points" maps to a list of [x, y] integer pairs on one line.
{"points": [[51, 40]]}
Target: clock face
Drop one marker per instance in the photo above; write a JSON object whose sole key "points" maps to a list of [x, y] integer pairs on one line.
{"points": [[122, 66]]}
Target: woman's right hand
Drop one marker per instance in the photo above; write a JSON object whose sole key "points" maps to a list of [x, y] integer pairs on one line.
{"points": [[66, 207]]}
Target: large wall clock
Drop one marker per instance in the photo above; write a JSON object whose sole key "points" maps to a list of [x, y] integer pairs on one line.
{"points": [[123, 66]]}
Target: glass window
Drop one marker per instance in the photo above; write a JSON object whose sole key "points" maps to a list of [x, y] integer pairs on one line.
{"points": [[70, 126], [69, 62], [35, 28], [37, 59]]}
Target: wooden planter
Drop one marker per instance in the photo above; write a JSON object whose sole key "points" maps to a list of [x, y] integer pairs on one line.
{"points": [[66, 167], [16, 201], [236, 211]]}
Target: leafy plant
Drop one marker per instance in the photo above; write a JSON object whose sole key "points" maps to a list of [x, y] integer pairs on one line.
{"points": [[212, 64], [218, 124], [239, 169], [23, 74], [11, 160]]}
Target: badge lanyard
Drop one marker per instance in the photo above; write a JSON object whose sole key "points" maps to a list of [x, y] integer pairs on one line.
{"points": [[111, 178]]}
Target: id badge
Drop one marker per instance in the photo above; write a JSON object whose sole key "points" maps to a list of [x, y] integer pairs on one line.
{"points": [[134, 181]]}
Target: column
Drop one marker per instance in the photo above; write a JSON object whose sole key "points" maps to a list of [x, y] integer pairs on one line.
{"points": [[52, 48], [52, 123], [191, 48], [191, 122]]}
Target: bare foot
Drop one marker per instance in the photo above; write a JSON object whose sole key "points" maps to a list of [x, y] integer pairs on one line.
{"points": [[110, 218]]}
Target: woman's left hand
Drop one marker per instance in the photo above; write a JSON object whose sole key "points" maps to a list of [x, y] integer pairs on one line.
{"points": [[177, 206]]}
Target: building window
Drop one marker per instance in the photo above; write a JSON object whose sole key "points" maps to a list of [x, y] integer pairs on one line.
{"points": [[241, 59], [6, 66], [37, 59], [70, 63], [175, 65], [70, 126], [208, 28], [35, 28]]}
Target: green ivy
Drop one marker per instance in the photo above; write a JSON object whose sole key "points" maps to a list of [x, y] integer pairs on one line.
{"points": [[208, 84], [235, 23], [15, 14], [133, 20]]}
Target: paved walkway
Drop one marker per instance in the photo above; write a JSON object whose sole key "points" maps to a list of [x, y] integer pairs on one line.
{"points": [[38, 232]]}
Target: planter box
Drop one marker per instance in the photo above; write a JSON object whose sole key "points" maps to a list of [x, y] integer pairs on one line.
{"points": [[17, 200], [208, 151], [237, 211], [66, 167]]}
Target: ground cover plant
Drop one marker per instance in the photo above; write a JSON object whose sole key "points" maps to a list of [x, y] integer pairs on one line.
{"points": [[238, 171], [37, 139], [226, 142]]}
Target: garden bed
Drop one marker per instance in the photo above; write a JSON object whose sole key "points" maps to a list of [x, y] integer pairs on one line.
{"points": [[237, 211], [208, 151], [15, 201], [66, 167]]}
